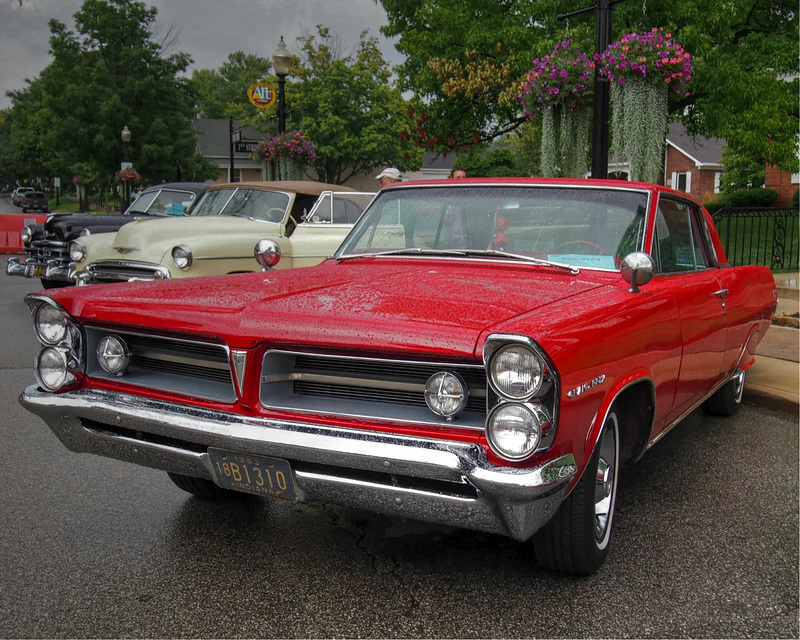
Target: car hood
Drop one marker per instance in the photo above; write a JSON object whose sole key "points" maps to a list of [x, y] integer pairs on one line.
{"points": [[69, 225], [421, 305], [151, 238]]}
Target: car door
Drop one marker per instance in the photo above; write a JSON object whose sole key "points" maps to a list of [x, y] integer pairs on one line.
{"points": [[686, 269], [326, 225]]}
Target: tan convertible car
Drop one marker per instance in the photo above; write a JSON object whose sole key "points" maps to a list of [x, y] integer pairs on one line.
{"points": [[307, 220]]}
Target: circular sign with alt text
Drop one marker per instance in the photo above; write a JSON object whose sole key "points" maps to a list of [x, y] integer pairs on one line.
{"points": [[261, 95]]}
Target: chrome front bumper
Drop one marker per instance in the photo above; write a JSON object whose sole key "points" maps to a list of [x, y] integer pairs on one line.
{"points": [[442, 481], [33, 269]]}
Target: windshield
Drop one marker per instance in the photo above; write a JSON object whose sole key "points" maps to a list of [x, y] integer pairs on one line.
{"points": [[165, 202], [584, 227], [258, 204]]}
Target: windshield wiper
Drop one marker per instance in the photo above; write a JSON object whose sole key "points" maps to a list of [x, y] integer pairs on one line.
{"points": [[489, 253]]}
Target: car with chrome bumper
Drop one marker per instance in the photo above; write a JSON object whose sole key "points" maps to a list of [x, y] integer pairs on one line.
{"points": [[482, 353], [46, 245], [308, 220]]}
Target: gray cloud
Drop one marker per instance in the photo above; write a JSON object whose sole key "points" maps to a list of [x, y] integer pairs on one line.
{"points": [[208, 30]]}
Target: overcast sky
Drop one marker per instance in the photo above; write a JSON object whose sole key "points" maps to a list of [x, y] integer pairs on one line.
{"points": [[209, 30]]}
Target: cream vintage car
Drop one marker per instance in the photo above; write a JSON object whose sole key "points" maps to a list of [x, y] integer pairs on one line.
{"points": [[307, 220]]}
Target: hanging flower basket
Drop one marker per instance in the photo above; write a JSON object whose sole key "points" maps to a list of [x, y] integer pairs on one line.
{"points": [[284, 155], [642, 69], [560, 87], [128, 176]]}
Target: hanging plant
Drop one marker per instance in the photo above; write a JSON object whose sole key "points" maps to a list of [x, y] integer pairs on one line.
{"points": [[130, 176], [559, 86], [284, 155], [642, 69]]}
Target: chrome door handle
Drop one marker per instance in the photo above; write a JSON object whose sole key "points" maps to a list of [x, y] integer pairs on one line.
{"points": [[722, 293]]}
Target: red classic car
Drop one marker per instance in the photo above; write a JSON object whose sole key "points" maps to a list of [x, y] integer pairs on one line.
{"points": [[481, 353]]}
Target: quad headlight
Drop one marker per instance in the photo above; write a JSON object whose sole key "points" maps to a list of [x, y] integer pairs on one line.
{"points": [[514, 430], [182, 256], [516, 371], [52, 368], [523, 398], [59, 361], [50, 324]]}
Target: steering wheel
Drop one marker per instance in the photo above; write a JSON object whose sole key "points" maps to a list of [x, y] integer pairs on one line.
{"points": [[275, 214], [603, 251]]}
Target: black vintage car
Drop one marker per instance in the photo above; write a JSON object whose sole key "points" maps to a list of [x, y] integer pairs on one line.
{"points": [[47, 245]]}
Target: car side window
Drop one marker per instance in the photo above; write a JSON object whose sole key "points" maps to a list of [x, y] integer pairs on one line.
{"points": [[679, 243]]}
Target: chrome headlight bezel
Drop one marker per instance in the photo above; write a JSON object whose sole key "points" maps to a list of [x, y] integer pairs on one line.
{"points": [[59, 363], [182, 257], [536, 390], [77, 251], [26, 235]]}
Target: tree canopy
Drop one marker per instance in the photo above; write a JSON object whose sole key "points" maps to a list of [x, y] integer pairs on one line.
{"points": [[348, 107], [111, 74], [466, 57]]}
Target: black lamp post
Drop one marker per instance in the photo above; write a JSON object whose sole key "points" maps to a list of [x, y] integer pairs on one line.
{"points": [[600, 106], [126, 138], [281, 61]]}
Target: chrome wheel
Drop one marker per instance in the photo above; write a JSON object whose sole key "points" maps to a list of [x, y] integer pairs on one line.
{"points": [[606, 482]]}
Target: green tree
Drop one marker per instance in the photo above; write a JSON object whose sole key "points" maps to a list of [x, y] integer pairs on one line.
{"points": [[349, 109], [465, 58], [223, 93], [112, 74]]}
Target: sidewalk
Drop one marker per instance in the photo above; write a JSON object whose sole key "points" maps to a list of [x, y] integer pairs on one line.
{"points": [[774, 380]]}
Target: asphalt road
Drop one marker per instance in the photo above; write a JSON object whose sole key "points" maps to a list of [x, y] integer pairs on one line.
{"points": [[706, 545]]}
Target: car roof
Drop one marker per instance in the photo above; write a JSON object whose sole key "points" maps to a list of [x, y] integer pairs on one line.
{"points": [[306, 187]]}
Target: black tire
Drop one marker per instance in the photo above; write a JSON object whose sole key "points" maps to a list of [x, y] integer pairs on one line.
{"points": [[577, 538], [203, 488], [727, 400]]}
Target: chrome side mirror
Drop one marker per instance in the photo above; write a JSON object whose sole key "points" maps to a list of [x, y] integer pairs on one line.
{"points": [[267, 253], [637, 269]]}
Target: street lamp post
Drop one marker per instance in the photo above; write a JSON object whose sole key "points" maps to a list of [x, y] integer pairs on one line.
{"points": [[281, 61], [126, 164]]}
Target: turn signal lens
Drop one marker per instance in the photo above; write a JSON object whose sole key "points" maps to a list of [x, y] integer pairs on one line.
{"points": [[113, 355], [514, 430], [446, 394]]}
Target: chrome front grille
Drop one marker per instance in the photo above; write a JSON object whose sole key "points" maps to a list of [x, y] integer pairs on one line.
{"points": [[198, 369], [365, 387], [42, 250], [122, 271]]}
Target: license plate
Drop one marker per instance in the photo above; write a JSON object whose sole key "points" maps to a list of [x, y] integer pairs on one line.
{"points": [[38, 272], [253, 474]]}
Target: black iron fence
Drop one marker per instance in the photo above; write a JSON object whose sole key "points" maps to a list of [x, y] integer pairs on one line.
{"points": [[764, 236]]}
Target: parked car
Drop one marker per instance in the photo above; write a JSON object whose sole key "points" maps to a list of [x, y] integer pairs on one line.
{"points": [[221, 235], [16, 195], [47, 246], [483, 353], [34, 201]]}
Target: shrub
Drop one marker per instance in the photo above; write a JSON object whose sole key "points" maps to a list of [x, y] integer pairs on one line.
{"points": [[750, 198]]}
